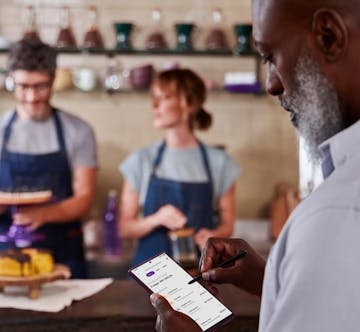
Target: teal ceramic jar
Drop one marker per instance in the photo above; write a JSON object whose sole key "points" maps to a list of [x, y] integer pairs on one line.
{"points": [[243, 38], [123, 35], [184, 36]]}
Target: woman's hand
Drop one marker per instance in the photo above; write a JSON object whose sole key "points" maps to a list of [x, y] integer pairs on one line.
{"points": [[202, 236], [170, 217], [246, 273], [169, 320]]}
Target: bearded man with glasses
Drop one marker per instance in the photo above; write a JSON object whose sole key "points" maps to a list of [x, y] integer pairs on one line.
{"points": [[48, 149]]}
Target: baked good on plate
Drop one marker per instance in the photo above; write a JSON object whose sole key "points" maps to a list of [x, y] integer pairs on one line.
{"points": [[25, 262], [41, 259]]}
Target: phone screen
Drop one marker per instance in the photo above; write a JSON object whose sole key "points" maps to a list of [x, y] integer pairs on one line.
{"points": [[163, 275]]}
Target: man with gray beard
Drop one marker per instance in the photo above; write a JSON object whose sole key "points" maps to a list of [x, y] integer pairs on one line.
{"points": [[311, 279], [313, 105]]}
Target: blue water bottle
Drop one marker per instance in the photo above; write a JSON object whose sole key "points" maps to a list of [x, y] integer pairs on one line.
{"points": [[112, 245]]}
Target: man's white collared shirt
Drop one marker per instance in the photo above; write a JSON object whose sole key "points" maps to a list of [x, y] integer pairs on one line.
{"points": [[312, 277]]}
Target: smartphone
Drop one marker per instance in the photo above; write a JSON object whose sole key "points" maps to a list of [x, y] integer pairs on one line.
{"points": [[162, 275]]}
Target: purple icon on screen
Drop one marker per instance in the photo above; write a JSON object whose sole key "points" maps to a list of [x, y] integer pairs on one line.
{"points": [[149, 274]]}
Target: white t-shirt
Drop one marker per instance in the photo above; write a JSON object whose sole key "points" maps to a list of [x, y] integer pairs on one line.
{"points": [[312, 277], [40, 137], [182, 165]]}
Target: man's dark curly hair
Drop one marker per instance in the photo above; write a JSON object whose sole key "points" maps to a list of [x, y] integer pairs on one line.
{"points": [[32, 55]]}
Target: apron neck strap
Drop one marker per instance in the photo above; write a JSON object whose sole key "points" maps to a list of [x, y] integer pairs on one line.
{"points": [[58, 127], [7, 130], [158, 157], [160, 153], [59, 131], [206, 161]]}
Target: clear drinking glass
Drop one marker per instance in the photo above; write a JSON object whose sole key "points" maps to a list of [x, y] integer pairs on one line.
{"points": [[183, 247]]}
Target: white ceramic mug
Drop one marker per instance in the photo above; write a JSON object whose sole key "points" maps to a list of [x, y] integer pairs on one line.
{"points": [[84, 79]]}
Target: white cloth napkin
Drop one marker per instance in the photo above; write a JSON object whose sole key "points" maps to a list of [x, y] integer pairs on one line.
{"points": [[54, 296]]}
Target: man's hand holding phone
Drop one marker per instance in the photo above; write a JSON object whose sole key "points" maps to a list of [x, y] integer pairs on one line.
{"points": [[170, 320], [182, 301], [246, 273]]}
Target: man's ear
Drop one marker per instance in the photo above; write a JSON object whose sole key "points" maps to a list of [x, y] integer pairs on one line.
{"points": [[331, 35]]}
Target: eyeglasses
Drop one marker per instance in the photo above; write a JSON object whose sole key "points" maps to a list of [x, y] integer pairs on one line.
{"points": [[40, 87]]}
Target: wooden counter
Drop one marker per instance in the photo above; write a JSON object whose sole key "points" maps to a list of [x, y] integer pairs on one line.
{"points": [[122, 306]]}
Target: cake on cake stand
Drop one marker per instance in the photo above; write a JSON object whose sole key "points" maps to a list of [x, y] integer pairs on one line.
{"points": [[35, 282], [22, 237]]}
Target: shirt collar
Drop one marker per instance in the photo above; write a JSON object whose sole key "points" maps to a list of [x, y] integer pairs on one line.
{"points": [[327, 164], [339, 148]]}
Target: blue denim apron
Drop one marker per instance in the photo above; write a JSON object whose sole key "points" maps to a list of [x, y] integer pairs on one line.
{"points": [[194, 199], [50, 171]]}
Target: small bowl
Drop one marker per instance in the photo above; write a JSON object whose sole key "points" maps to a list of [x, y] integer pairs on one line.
{"points": [[141, 77]]}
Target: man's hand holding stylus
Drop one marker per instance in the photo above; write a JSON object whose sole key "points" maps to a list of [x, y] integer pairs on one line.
{"points": [[246, 273]]}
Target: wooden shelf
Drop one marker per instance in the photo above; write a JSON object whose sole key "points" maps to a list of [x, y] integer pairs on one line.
{"points": [[170, 52], [110, 52]]}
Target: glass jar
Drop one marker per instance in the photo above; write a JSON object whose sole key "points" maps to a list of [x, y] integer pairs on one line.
{"points": [[183, 247], [116, 79]]}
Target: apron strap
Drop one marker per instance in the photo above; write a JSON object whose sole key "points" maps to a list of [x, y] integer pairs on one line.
{"points": [[59, 131], [59, 135], [206, 162], [61, 140], [204, 156], [158, 157], [7, 132], [58, 127]]}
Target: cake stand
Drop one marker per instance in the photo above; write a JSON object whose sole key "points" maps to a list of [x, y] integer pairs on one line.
{"points": [[35, 282]]}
